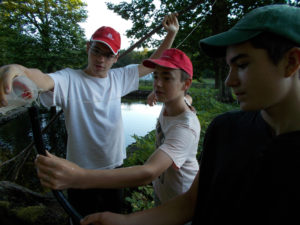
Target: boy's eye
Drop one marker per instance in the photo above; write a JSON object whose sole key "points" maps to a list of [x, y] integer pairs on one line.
{"points": [[242, 65], [98, 52]]}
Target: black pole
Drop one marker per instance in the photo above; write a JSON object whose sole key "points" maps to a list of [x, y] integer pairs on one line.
{"points": [[39, 144]]}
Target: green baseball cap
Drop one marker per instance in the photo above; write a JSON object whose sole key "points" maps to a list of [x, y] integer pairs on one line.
{"points": [[283, 20]]}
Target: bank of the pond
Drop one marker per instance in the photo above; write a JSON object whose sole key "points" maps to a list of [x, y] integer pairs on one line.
{"points": [[139, 94]]}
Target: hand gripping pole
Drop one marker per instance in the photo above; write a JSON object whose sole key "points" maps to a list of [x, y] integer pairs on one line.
{"points": [[39, 144]]}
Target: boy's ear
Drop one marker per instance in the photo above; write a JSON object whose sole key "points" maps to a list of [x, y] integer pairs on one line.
{"points": [[187, 83], [116, 57], [293, 61], [87, 47]]}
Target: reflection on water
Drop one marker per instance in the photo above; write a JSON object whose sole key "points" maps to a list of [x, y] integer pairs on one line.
{"points": [[138, 119]]}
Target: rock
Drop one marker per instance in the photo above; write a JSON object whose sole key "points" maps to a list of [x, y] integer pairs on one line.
{"points": [[21, 206], [4, 118]]}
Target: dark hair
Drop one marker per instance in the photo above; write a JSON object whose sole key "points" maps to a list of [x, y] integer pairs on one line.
{"points": [[183, 77], [275, 45]]}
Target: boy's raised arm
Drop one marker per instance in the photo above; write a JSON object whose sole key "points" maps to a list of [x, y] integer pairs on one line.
{"points": [[171, 25]]}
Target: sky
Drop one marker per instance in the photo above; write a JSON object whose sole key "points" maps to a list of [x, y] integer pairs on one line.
{"points": [[99, 15]]}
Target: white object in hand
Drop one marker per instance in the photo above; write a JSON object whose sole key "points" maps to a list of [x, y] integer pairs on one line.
{"points": [[24, 91]]}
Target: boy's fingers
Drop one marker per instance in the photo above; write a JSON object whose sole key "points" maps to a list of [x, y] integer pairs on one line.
{"points": [[88, 220]]}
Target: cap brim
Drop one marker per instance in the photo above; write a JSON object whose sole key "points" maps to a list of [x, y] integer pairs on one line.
{"points": [[215, 46], [151, 63], [104, 42]]}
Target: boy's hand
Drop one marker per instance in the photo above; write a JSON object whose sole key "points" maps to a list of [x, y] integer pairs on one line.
{"points": [[105, 218], [7, 74], [151, 99], [57, 173], [170, 23]]}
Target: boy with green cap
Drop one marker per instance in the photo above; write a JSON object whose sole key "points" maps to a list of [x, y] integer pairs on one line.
{"points": [[250, 164]]}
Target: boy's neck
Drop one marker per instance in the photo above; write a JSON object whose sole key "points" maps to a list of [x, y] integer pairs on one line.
{"points": [[175, 108], [284, 120], [284, 117]]}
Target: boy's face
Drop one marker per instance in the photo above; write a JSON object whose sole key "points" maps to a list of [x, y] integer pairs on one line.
{"points": [[167, 84], [100, 59], [256, 81]]}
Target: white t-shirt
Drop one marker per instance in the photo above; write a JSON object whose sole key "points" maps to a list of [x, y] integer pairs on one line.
{"points": [[180, 141], [92, 109]]}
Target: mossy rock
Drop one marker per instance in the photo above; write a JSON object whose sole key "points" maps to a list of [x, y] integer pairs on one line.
{"points": [[21, 206], [31, 214]]}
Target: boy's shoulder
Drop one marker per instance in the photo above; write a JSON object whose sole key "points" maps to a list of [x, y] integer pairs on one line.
{"points": [[237, 115], [66, 71], [238, 120], [124, 68]]}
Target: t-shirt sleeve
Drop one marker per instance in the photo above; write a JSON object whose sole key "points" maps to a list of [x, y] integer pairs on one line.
{"points": [[178, 142], [59, 95], [129, 78]]}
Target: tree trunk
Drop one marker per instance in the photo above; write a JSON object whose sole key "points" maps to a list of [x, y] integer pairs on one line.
{"points": [[220, 11]]}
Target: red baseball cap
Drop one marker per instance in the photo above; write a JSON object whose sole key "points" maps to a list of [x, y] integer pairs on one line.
{"points": [[108, 36], [172, 58]]}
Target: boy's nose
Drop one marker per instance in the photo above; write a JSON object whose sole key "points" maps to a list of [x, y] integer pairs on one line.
{"points": [[231, 79], [158, 83]]}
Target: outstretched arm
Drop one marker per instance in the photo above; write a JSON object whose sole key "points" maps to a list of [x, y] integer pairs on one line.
{"points": [[178, 210], [9, 72], [170, 23], [58, 173]]}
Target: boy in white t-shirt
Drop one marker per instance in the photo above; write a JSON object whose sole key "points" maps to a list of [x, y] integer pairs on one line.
{"points": [[172, 167], [91, 101]]}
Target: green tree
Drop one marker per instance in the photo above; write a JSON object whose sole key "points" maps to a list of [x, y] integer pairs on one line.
{"points": [[42, 33], [207, 18], [133, 57]]}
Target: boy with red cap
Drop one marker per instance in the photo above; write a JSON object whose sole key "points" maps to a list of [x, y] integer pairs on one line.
{"points": [[250, 164], [91, 100], [172, 167]]}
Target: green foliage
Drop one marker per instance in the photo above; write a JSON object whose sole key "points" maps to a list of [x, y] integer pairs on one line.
{"points": [[146, 85], [140, 151], [4, 205], [134, 57], [203, 21], [141, 198], [208, 107], [31, 214], [44, 34]]}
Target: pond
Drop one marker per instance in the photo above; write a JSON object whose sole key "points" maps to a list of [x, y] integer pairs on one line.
{"points": [[138, 119]]}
